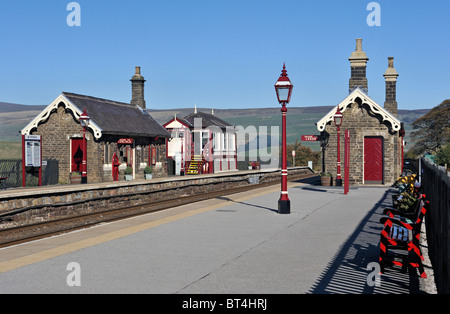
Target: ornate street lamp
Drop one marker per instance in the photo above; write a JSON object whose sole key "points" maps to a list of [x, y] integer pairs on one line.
{"points": [[338, 122], [283, 87], [181, 135], [84, 121]]}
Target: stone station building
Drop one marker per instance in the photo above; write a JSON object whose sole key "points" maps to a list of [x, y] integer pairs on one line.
{"points": [[376, 135], [126, 130]]}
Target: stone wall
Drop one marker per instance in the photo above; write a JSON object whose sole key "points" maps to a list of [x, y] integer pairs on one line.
{"points": [[60, 201], [358, 78], [61, 127], [360, 121], [391, 94], [56, 134]]}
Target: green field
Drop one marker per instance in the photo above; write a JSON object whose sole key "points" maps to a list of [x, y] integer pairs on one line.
{"points": [[300, 121], [303, 124], [297, 125], [10, 150]]}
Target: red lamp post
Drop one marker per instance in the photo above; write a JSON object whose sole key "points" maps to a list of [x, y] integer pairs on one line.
{"points": [[283, 87], [338, 122], [84, 121], [181, 135]]}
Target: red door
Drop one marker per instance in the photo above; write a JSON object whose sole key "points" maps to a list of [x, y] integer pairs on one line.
{"points": [[373, 160], [77, 154]]}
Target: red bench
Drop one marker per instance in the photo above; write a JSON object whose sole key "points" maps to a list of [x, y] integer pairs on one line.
{"points": [[402, 232]]}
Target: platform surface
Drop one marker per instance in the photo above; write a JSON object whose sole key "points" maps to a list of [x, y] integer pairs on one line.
{"points": [[236, 244]]}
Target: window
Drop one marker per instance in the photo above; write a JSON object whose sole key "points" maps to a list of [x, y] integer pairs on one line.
{"points": [[108, 151], [106, 157], [225, 141]]}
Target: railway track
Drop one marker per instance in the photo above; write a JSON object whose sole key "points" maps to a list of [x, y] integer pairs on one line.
{"points": [[26, 233]]}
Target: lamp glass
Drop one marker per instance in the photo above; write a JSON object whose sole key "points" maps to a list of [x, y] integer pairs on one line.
{"points": [[84, 122], [338, 119], [283, 93]]}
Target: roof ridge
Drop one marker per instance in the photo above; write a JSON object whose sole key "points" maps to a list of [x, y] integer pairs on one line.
{"points": [[213, 118], [113, 102]]}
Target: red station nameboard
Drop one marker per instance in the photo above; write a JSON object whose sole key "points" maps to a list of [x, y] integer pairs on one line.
{"points": [[125, 141], [310, 138]]}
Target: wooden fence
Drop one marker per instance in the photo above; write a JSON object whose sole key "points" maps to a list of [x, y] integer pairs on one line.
{"points": [[436, 186]]}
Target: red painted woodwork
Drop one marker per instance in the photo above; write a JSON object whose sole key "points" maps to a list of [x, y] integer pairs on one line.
{"points": [[115, 167], [77, 154], [373, 160]]}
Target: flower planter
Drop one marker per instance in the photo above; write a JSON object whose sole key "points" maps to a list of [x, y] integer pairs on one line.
{"points": [[148, 173], [75, 179], [325, 181], [128, 177]]}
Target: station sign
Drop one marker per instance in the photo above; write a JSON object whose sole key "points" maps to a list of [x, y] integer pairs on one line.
{"points": [[125, 141], [32, 150], [31, 155], [310, 138]]}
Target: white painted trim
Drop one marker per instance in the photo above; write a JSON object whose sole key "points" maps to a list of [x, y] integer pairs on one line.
{"points": [[283, 83], [374, 107], [45, 114]]}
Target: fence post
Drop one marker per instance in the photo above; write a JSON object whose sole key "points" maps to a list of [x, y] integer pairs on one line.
{"points": [[24, 176], [347, 162]]}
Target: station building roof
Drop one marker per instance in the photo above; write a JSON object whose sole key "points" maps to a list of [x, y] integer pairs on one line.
{"points": [[107, 116]]}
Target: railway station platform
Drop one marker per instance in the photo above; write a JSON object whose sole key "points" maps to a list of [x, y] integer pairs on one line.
{"points": [[33, 204], [229, 245]]}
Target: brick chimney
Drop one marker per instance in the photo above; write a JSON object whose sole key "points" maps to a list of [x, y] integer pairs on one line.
{"points": [[137, 89], [391, 87], [358, 63]]}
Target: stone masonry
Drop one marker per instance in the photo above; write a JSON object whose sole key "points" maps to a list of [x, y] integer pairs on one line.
{"points": [[137, 89], [361, 122], [56, 146], [391, 87], [358, 63]]}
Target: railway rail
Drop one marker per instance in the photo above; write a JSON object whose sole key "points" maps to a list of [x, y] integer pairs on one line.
{"points": [[26, 233]]}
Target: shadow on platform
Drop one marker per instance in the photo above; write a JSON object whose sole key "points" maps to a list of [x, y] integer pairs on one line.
{"points": [[224, 198], [351, 271]]}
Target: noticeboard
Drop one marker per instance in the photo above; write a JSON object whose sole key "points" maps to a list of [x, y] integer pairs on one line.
{"points": [[32, 151]]}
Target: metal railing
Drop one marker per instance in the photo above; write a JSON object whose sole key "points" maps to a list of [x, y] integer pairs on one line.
{"points": [[436, 187], [11, 169]]}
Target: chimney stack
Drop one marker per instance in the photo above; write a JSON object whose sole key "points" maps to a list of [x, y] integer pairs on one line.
{"points": [[391, 87], [137, 89], [358, 63]]}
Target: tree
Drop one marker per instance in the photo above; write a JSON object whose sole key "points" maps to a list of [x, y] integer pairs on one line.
{"points": [[412, 153], [303, 154], [443, 156], [433, 129]]}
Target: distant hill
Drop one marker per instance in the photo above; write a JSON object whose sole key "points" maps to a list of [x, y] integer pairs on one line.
{"points": [[163, 116], [13, 118], [301, 120], [8, 107]]}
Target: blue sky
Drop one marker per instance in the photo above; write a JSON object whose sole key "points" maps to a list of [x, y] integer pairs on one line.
{"points": [[222, 53]]}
